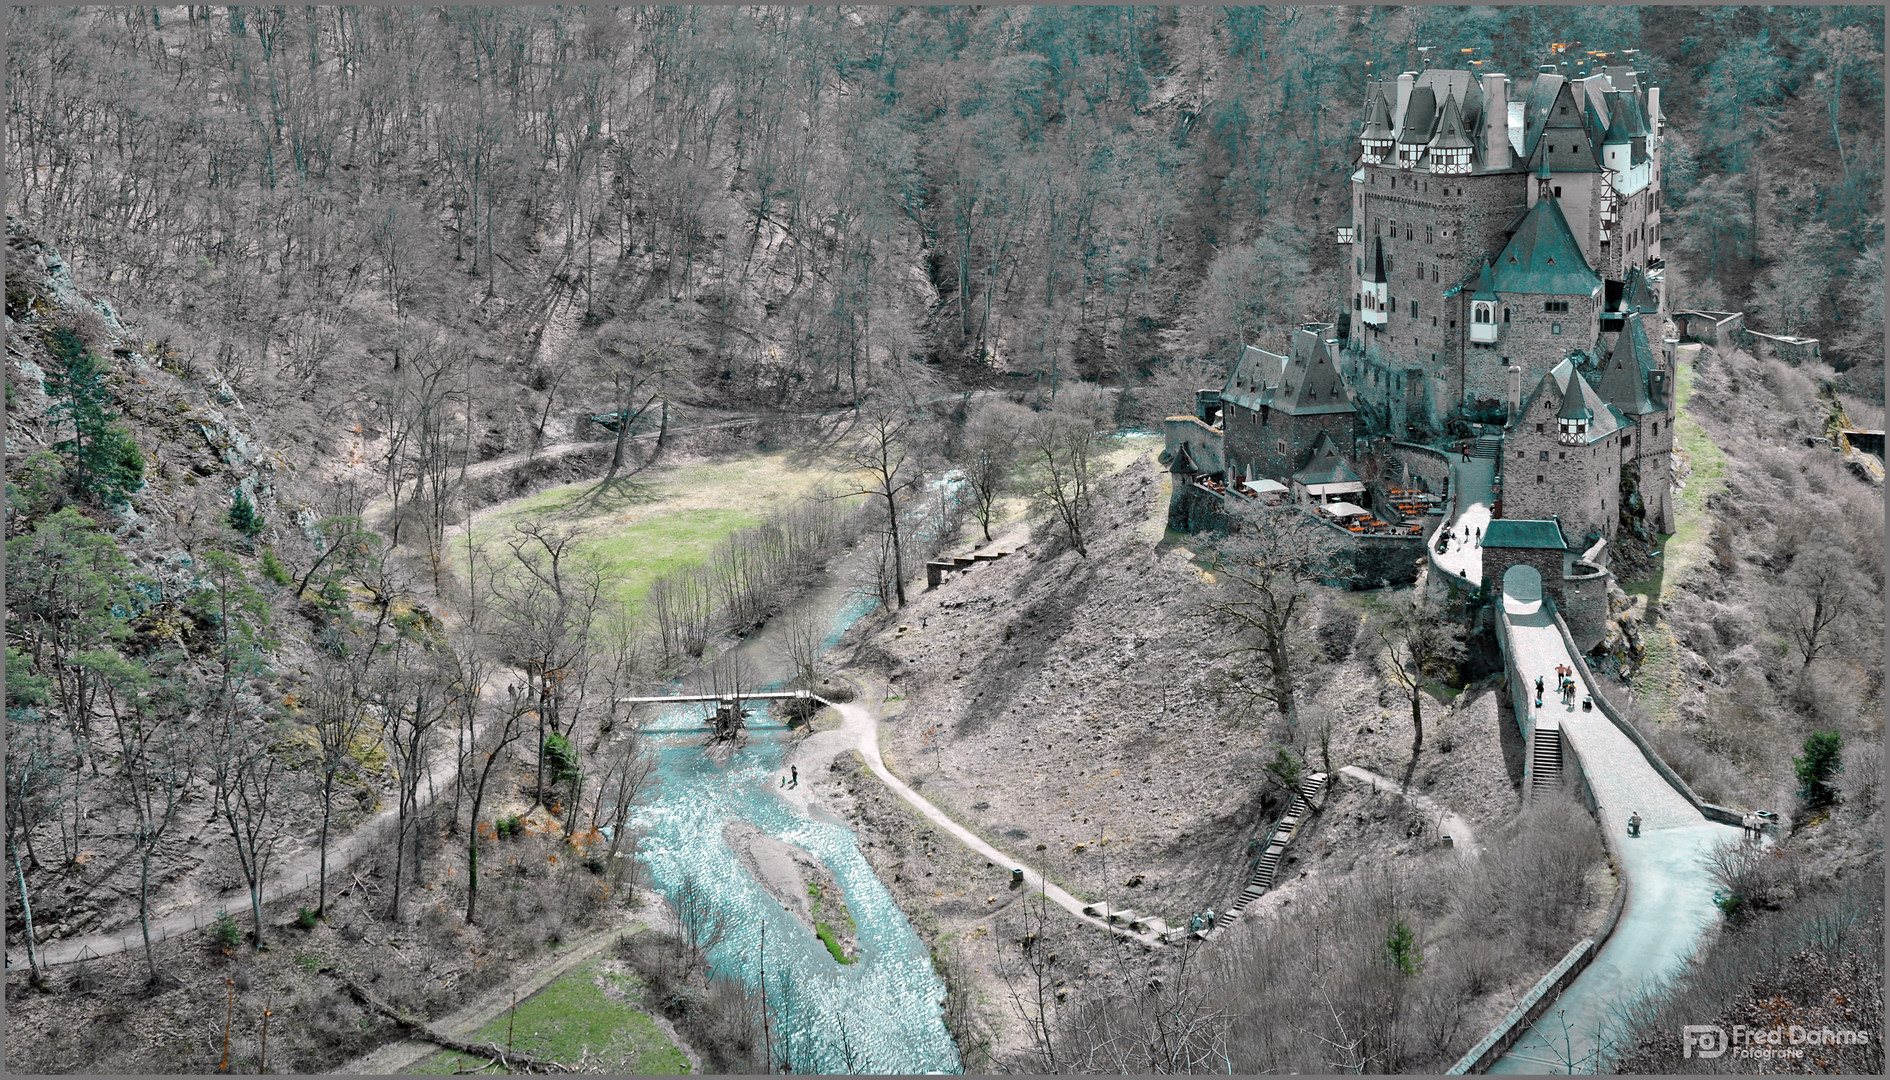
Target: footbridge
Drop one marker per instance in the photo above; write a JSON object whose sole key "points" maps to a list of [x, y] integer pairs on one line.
{"points": [[1573, 1020], [726, 699]]}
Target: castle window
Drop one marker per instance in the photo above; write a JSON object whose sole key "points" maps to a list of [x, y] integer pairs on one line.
{"points": [[1540, 429], [1414, 309], [1561, 455], [1407, 231], [1539, 478], [1505, 314], [1555, 305], [1430, 235], [1282, 445], [1482, 312], [1555, 328], [1558, 187], [1544, 454], [1361, 265]]}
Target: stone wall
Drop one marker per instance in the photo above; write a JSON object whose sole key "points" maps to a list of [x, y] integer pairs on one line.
{"points": [[1581, 485], [1253, 439], [1584, 604], [1192, 509], [1372, 561], [1496, 561]]}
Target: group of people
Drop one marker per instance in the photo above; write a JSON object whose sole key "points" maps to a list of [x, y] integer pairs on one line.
{"points": [[1467, 534], [1564, 685]]}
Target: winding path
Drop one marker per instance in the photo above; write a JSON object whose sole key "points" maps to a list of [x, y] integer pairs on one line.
{"points": [[1669, 905], [859, 730], [1462, 836]]}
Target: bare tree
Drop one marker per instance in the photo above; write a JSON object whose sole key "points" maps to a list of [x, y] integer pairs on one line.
{"points": [[1422, 645], [642, 363], [250, 792], [337, 710], [1027, 962], [1818, 601], [884, 452], [1059, 442], [802, 635], [1271, 559], [988, 454], [413, 701], [484, 754], [159, 755], [546, 600]]}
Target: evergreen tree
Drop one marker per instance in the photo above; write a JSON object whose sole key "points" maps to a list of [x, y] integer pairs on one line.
{"points": [[107, 463], [244, 517], [1823, 756]]}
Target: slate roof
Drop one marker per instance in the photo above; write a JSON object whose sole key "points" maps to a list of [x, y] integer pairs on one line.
{"points": [[1255, 371], [1542, 257], [1572, 392], [1420, 116], [1310, 383], [1567, 133], [1450, 134], [1637, 294], [1524, 533], [1627, 376], [1305, 382], [1375, 270], [1325, 466], [1377, 116]]}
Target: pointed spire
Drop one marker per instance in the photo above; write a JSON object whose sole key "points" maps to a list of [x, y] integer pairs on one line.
{"points": [[1377, 118], [1544, 189], [1618, 125], [1450, 134], [1485, 287], [1375, 273]]}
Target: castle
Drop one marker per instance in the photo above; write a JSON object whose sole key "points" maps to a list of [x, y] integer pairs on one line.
{"points": [[1506, 303]]}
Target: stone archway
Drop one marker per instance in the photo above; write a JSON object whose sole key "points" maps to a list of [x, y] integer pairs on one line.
{"points": [[1522, 584]]}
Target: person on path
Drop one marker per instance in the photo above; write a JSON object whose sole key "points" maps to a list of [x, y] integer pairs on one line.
{"points": [[1634, 824], [794, 772], [1538, 686], [1479, 539]]}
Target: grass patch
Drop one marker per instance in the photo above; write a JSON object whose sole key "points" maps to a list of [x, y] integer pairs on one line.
{"points": [[1687, 546], [660, 520], [828, 939], [569, 1017]]}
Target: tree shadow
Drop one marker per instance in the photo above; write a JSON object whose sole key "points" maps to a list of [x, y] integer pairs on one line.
{"points": [[615, 493]]}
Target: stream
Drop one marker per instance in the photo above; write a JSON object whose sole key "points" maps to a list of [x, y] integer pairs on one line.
{"points": [[881, 1014]]}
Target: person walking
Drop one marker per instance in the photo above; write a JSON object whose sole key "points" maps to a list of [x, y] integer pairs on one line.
{"points": [[1538, 686], [794, 773], [1634, 824]]}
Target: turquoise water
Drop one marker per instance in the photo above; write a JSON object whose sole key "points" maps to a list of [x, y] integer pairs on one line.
{"points": [[881, 1014]]}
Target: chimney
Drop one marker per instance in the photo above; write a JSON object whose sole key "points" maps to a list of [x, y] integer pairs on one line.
{"points": [[1515, 393], [1653, 110], [1405, 82], [1495, 120]]}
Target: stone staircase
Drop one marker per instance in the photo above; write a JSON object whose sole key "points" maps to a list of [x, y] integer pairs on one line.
{"points": [[1487, 446], [1266, 871], [1545, 758]]}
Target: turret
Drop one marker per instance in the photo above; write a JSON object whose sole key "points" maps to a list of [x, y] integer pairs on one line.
{"points": [[1372, 289], [1450, 151], [1514, 390], [1573, 418], [1375, 136], [1484, 328]]}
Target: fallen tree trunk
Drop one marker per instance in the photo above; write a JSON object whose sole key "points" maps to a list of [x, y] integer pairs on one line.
{"points": [[509, 1060]]}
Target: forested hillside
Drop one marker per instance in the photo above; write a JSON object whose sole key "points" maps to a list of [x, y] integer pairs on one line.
{"points": [[819, 200]]}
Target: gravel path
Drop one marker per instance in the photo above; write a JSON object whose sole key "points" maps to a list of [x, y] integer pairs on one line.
{"points": [[859, 730], [1669, 894], [1462, 836]]}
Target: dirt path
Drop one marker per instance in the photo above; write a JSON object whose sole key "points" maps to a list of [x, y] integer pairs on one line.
{"points": [[1462, 836], [859, 730], [407, 1053]]}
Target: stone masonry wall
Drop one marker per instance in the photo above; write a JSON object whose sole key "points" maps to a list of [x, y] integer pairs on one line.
{"points": [[1253, 439], [1583, 602], [1581, 485], [1547, 563]]}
